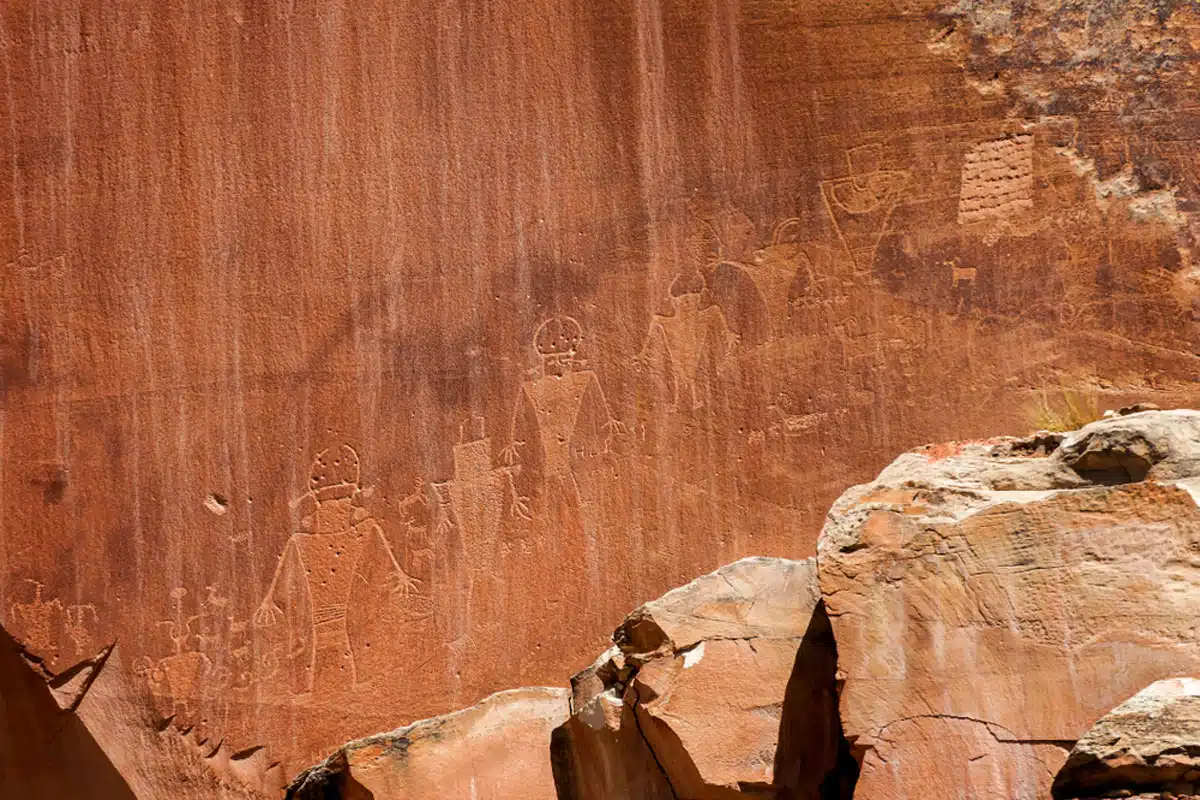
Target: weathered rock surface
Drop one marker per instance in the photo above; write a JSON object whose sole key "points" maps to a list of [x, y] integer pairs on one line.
{"points": [[596, 295], [991, 600], [86, 732], [723, 688], [497, 749], [1151, 742]]}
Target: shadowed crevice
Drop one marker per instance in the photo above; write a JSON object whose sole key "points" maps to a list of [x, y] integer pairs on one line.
{"points": [[46, 752], [809, 726], [326, 781]]}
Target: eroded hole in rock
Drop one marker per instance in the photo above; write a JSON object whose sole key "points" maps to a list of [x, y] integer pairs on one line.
{"points": [[1112, 467], [217, 503], [327, 781], [640, 634]]}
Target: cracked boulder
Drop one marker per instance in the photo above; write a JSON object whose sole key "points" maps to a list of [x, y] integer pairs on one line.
{"points": [[990, 600], [1149, 743], [723, 688], [498, 749]]}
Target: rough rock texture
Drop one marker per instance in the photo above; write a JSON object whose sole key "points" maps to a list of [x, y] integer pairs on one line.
{"points": [[991, 600], [498, 749], [723, 688], [84, 732], [346, 348], [1151, 742]]}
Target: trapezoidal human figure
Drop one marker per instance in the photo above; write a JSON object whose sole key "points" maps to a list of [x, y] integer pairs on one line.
{"points": [[561, 416], [333, 579]]}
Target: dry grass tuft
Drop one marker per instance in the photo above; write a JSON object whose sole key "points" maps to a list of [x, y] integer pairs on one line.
{"points": [[1069, 409]]}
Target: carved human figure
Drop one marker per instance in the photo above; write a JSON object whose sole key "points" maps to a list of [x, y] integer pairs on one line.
{"points": [[563, 411], [180, 676], [80, 618], [38, 622], [861, 203], [327, 574], [680, 338]]}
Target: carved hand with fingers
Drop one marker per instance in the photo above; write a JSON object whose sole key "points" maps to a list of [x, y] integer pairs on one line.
{"points": [[521, 507], [403, 584], [614, 427], [509, 455]]}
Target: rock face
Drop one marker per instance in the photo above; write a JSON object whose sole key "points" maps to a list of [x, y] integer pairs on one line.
{"points": [[723, 688], [346, 348], [991, 600], [86, 732], [498, 749], [1149, 743]]}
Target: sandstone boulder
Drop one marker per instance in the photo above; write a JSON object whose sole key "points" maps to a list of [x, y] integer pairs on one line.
{"points": [[1151, 742], [498, 749], [990, 600], [723, 688]]}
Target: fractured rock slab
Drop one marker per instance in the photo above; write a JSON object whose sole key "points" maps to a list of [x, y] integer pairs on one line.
{"points": [[498, 749], [86, 732], [1149, 742], [991, 600], [723, 688]]}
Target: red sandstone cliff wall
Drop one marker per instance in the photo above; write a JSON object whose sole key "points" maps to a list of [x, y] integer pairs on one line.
{"points": [[357, 360]]}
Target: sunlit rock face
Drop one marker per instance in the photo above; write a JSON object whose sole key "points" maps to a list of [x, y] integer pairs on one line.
{"points": [[991, 600], [360, 360], [498, 748]]}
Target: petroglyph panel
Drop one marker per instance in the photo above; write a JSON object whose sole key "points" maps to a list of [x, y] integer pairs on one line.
{"points": [[353, 367]]}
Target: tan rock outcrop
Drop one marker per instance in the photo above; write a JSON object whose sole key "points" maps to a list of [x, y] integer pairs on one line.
{"points": [[723, 688], [497, 749], [1150, 742], [991, 600]]}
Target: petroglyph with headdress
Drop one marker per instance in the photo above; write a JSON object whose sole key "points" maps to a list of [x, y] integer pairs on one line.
{"points": [[328, 569], [563, 410], [861, 204], [37, 622]]}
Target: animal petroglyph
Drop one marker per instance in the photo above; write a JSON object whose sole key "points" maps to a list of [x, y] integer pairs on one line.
{"points": [[862, 203], [960, 275], [792, 423], [997, 180], [340, 553]]}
